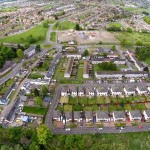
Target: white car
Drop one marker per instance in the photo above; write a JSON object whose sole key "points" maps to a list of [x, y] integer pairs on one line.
{"points": [[100, 128], [67, 129], [122, 128]]}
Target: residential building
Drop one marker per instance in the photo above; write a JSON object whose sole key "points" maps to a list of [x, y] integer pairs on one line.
{"points": [[135, 115], [102, 91], [129, 90], [146, 114], [142, 90], [73, 91], [102, 116], [89, 116], [119, 61], [80, 91], [78, 56], [29, 52], [64, 91], [116, 90], [86, 70], [69, 68], [68, 116], [89, 91], [119, 116], [77, 116], [127, 74], [57, 115]]}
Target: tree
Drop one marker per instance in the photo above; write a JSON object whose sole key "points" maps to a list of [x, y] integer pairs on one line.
{"points": [[20, 53], [1, 61], [45, 65], [77, 27], [69, 141], [31, 39], [129, 29], [43, 134], [113, 48], [36, 92], [44, 90], [38, 101], [38, 48], [27, 45], [86, 53], [45, 24]]}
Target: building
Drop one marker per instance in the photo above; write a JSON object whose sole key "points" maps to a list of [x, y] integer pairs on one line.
{"points": [[116, 91], [142, 90], [129, 90], [146, 114], [89, 91], [57, 115], [102, 91], [86, 70], [135, 115], [80, 91], [119, 116], [73, 91], [68, 116], [78, 56], [89, 116], [99, 59], [126, 74], [64, 91], [119, 61], [77, 116], [69, 68], [102, 116], [29, 52]]}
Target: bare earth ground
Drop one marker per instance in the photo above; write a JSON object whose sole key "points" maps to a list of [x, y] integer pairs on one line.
{"points": [[85, 37]]}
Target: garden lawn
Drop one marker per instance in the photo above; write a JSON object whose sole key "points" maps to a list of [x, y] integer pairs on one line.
{"points": [[34, 110], [38, 33]]}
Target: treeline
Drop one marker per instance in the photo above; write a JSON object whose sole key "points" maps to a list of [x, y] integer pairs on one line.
{"points": [[6, 53], [31, 39], [142, 53]]}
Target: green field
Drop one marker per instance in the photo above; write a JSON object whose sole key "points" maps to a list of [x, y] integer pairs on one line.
{"points": [[38, 33], [9, 9], [117, 24], [66, 25], [34, 110], [134, 37], [53, 37]]}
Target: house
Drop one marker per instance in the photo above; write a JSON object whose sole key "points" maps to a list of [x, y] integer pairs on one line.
{"points": [[68, 116], [29, 52], [129, 90], [57, 115], [64, 91], [135, 115], [116, 90], [99, 59], [73, 91], [102, 91], [142, 90], [119, 61], [69, 68], [86, 70], [126, 74], [89, 91], [112, 56], [146, 114], [119, 116], [102, 116], [77, 116], [78, 56], [89, 116], [80, 91]]}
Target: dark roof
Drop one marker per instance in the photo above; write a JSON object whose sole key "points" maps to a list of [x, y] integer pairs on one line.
{"points": [[86, 68], [77, 114], [68, 115], [142, 88], [69, 65], [147, 112], [119, 114], [117, 88], [102, 114], [88, 114], [64, 89], [89, 89], [130, 88], [57, 114], [80, 89], [29, 49], [102, 89], [135, 113]]}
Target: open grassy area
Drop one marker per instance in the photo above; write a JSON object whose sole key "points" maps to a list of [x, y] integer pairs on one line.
{"points": [[66, 25], [34, 110], [47, 46], [134, 37], [38, 33], [9, 9], [53, 37], [116, 24]]}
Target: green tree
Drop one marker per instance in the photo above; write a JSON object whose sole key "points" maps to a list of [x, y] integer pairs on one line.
{"points": [[1, 61], [27, 45], [20, 53], [38, 101], [43, 134], [44, 90], [36, 92], [86, 53], [45, 24], [45, 65], [77, 27], [38, 48], [113, 48], [69, 141]]}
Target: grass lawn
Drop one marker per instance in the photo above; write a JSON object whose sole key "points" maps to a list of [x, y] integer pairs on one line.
{"points": [[134, 106], [80, 73], [73, 100], [12, 94], [66, 25], [38, 33], [53, 37], [148, 61], [134, 37], [56, 25], [116, 24], [83, 100], [64, 99], [77, 108], [34, 110], [127, 107], [142, 106], [47, 46], [115, 108], [100, 100], [67, 107]]}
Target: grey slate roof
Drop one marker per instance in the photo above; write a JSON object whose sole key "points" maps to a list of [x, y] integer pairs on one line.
{"points": [[56, 114], [102, 114], [77, 115], [102, 89], [142, 88], [119, 114], [135, 113], [88, 115], [130, 88], [80, 89], [147, 112], [117, 88], [68, 115], [64, 89]]}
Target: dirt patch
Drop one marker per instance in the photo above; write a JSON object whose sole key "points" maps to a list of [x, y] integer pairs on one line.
{"points": [[86, 37]]}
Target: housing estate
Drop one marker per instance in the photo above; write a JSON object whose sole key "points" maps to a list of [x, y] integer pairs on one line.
{"points": [[29, 52]]}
